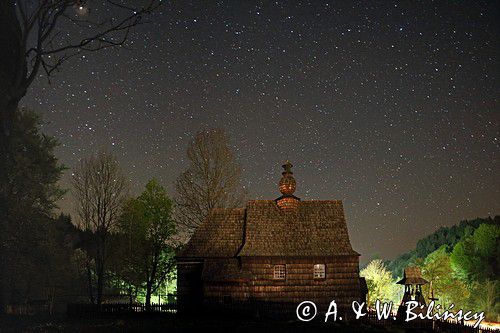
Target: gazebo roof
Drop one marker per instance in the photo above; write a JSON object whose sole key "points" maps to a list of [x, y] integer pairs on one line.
{"points": [[412, 275]]}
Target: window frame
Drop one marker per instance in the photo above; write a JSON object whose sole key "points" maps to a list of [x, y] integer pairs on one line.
{"points": [[319, 274], [279, 272]]}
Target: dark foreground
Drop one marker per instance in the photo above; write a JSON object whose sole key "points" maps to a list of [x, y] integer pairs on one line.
{"points": [[173, 323]]}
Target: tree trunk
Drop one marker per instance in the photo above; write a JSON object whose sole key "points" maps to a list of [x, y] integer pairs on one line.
{"points": [[149, 289], [12, 75], [100, 263], [8, 108], [151, 280], [89, 281], [3, 256], [3, 286], [100, 284], [13, 64]]}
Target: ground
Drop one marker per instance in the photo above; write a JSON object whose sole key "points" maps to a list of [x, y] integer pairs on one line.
{"points": [[172, 323]]}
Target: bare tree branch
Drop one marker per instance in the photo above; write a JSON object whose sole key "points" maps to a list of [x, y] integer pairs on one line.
{"points": [[212, 180], [38, 39], [100, 190]]}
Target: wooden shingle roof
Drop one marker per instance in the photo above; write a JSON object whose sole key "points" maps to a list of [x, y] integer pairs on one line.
{"points": [[316, 228], [220, 235], [412, 275]]}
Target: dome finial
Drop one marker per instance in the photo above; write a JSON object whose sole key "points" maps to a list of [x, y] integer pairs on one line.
{"points": [[287, 184], [288, 168], [288, 202]]}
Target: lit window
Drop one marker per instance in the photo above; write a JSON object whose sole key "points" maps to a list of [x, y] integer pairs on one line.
{"points": [[319, 271], [279, 272]]}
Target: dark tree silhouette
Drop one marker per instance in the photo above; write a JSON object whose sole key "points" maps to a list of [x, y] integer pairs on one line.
{"points": [[34, 38], [212, 179], [100, 190], [38, 37], [29, 173]]}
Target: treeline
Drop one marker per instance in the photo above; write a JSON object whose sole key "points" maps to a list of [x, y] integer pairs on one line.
{"points": [[461, 264], [117, 245], [47, 260], [34, 253], [444, 236]]}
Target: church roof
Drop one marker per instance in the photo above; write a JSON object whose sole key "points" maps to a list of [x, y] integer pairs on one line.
{"points": [[315, 228], [285, 227], [220, 235]]}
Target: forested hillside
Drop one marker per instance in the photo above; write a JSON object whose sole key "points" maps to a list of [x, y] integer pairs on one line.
{"points": [[447, 236], [461, 264]]}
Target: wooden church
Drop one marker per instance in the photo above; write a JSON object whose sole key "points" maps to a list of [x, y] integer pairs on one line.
{"points": [[283, 250]]}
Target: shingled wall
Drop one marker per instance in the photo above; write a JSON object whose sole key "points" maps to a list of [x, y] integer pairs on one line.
{"points": [[341, 282]]}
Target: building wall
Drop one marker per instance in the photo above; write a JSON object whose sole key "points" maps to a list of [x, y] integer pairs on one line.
{"points": [[189, 285], [340, 284]]}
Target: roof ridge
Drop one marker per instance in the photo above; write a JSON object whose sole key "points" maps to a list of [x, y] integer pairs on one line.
{"points": [[226, 210], [311, 200]]}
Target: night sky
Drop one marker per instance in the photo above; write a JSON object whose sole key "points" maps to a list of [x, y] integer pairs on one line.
{"points": [[391, 107]]}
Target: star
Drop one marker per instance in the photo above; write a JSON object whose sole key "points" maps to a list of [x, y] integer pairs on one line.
{"points": [[391, 108]]}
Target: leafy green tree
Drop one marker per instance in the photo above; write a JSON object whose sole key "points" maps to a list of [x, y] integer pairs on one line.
{"points": [[485, 297], [475, 262], [445, 286], [149, 229], [447, 236], [380, 283], [123, 264], [476, 257], [463, 260], [487, 243]]}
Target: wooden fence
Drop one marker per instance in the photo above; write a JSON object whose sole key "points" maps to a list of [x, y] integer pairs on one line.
{"points": [[85, 310], [264, 310], [251, 309], [427, 325], [445, 326]]}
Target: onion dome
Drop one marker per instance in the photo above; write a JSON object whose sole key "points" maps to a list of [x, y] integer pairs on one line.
{"points": [[287, 187]]}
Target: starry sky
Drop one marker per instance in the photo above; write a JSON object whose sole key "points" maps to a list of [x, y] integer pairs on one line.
{"points": [[390, 106]]}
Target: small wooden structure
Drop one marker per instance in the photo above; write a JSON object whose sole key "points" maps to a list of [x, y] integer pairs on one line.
{"points": [[413, 282], [277, 251]]}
